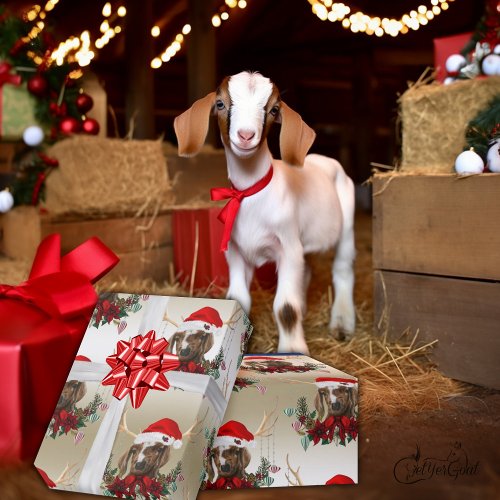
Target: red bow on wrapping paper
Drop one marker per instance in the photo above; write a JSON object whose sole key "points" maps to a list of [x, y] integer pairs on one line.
{"points": [[138, 366], [62, 287], [6, 76]]}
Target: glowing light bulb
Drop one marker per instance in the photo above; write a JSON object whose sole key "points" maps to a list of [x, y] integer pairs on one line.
{"points": [[155, 31], [106, 10], [156, 63], [122, 11], [186, 29]]}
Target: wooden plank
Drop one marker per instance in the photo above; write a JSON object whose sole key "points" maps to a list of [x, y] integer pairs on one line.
{"points": [[462, 314], [144, 264], [437, 224], [126, 234]]}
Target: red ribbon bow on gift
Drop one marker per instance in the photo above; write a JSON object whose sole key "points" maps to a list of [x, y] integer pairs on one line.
{"points": [[6, 76], [138, 366], [228, 214], [62, 287]]}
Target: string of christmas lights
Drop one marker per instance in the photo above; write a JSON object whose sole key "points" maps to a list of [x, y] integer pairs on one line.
{"points": [[359, 22], [175, 46]]}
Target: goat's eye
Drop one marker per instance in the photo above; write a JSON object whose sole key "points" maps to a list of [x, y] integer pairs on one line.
{"points": [[219, 104], [274, 110]]}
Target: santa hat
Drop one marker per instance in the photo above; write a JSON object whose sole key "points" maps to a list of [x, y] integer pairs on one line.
{"points": [[164, 431], [340, 479], [234, 433], [335, 382], [206, 319]]}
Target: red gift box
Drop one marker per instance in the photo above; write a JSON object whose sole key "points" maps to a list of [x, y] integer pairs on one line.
{"points": [[444, 47], [210, 266], [42, 322]]}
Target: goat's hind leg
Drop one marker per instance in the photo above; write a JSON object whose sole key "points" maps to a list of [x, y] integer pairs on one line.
{"points": [[343, 317]]}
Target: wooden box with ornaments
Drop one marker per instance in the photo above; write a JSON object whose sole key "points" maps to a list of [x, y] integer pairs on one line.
{"points": [[436, 268]]}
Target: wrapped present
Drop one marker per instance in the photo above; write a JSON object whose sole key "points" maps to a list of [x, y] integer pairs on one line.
{"points": [[446, 46], [17, 105], [197, 235], [291, 421], [42, 322], [145, 397]]}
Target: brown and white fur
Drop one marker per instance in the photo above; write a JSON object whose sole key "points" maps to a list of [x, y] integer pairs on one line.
{"points": [[228, 461], [336, 402], [301, 211], [191, 345], [144, 459], [73, 391]]}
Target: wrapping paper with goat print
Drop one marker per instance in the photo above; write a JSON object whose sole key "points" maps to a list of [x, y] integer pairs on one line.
{"points": [[291, 421], [153, 442]]}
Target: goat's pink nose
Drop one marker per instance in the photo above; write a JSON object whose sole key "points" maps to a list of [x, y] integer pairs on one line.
{"points": [[246, 135]]}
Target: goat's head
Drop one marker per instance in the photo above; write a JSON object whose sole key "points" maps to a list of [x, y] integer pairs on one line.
{"points": [[246, 105]]}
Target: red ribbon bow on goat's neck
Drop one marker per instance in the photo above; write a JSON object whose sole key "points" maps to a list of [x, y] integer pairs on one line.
{"points": [[6, 76], [62, 287], [228, 214], [138, 366]]}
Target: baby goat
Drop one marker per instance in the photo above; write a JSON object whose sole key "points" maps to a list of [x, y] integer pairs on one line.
{"points": [[292, 212]]}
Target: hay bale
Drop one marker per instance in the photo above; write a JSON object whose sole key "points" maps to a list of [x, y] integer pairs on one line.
{"points": [[99, 176], [434, 118]]}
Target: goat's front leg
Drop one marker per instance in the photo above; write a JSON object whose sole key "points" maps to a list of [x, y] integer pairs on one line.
{"points": [[289, 300], [240, 277]]}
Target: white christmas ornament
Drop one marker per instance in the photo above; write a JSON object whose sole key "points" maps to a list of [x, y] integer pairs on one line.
{"points": [[469, 162], [33, 135], [6, 201], [454, 63], [493, 157], [448, 80], [496, 50], [491, 65]]}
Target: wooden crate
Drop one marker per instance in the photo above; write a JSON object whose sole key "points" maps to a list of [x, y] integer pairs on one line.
{"points": [[436, 241], [144, 248]]}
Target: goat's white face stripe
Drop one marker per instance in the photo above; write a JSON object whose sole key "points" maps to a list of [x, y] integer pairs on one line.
{"points": [[221, 458], [145, 445], [249, 94]]}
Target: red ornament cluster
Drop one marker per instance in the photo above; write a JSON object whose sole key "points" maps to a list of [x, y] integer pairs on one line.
{"points": [[69, 125]]}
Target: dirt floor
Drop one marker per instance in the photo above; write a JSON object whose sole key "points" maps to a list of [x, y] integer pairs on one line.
{"points": [[448, 450]]}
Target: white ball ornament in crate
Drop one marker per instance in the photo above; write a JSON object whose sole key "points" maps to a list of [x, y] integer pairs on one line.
{"points": [[6, 201], [33, 135], [493, 157], [491, 65], [454, 63], [469, 162], [496, 49]]}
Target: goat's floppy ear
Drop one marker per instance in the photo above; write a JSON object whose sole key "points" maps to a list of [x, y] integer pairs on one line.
{"points": [[245, 458], [208, 342], [296, 137], [123, 462], [319, 404], [81, 391], [172, 343], [191, 127]]}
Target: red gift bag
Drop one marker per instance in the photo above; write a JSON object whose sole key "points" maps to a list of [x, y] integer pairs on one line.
{"points": [[42, 322]]}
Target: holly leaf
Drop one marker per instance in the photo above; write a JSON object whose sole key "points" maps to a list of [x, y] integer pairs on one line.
{"points": [[313, 414]]}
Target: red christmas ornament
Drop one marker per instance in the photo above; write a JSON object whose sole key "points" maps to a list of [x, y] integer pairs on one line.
{"points": [[84, 103], [91, 126], [69, 125], [37, 85]]}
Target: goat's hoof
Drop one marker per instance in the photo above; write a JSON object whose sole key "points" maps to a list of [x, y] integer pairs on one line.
{"points": [[341, 334]]}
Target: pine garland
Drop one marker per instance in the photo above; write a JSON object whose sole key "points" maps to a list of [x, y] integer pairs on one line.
{"points": [[484, 128], [58, 102]]}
